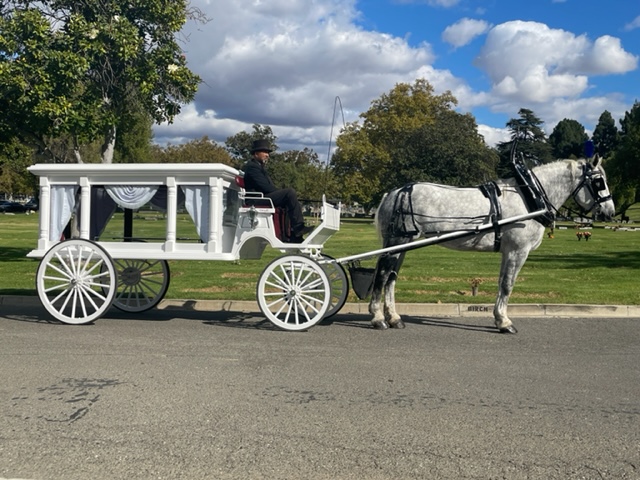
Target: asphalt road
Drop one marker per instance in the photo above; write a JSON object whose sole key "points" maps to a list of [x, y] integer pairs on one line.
{"points": [[177, 394]]}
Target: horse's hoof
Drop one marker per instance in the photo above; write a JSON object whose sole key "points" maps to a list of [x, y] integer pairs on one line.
{"points": [[398, 324], [380, 325], [509, 329]]}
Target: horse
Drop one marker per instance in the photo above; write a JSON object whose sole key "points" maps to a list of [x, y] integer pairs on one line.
{"points": [[427, 210]]}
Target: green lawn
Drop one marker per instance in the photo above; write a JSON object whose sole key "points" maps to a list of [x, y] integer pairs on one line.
{"points": [[603, 270]]}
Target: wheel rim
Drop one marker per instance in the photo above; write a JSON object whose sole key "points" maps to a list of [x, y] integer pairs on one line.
{"points": [[294, 292], [339, 285], [142, 284], [76, 281]]}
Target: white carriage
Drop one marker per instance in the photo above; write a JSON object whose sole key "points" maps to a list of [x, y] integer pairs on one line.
{"points": [[81, 275]]}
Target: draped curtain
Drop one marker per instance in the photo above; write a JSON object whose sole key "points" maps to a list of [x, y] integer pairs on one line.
{"points": [[63, 203]]}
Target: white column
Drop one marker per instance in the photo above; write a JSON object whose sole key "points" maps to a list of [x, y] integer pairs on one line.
{"points": [[45, 213], [172, 213], [85, 207], [215, 216]]}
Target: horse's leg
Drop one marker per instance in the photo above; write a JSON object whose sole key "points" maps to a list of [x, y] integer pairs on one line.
{"points": [[380, 280], [512, 262], [393, 318]]}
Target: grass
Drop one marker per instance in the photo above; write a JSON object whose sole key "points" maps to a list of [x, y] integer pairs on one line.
{"points": [[603, 270]]}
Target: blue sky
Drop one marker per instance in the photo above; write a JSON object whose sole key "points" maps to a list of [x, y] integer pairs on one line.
{"points": [[282, 63]]}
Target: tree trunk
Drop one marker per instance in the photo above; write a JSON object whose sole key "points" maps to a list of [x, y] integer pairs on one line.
{"points": [[109, 145]]}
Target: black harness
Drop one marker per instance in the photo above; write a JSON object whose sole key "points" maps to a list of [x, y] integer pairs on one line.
{"points": [[534, 196], [492, 191], [405, 222]]}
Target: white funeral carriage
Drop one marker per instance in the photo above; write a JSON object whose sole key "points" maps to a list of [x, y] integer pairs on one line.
{"points": [[81, 275]]}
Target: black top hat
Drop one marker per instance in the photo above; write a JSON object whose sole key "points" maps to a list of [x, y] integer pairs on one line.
{"points": [[261, 145]]}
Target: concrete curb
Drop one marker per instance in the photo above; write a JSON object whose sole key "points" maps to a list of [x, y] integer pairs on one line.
{"points": [[411, 309]]}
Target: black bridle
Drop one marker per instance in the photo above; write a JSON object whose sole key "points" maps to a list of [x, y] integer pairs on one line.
{"points": [[593, 180]]}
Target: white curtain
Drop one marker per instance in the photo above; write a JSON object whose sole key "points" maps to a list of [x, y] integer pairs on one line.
{"points": [[63, 202], [131, 197], [196, 201]]}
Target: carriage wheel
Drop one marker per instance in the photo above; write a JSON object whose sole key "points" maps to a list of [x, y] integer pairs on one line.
{"points": [[76, 281], [142, 284], [339, 285], [294, 292]]}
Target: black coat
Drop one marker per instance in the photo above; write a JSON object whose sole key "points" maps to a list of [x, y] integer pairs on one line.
{"points": [[256, 178]]}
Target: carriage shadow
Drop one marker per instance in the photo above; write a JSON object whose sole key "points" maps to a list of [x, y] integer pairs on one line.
{"points": [[233, 319]]}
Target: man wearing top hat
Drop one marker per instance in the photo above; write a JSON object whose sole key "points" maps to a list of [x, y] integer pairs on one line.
{"points": [[256, 179]]}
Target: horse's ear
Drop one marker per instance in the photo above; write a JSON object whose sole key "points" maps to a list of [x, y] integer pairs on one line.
{"points": [[596, 160]]}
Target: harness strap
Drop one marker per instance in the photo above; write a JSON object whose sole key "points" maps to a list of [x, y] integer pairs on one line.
{"points": [[492, 191], [403, 212], [533, 194]]}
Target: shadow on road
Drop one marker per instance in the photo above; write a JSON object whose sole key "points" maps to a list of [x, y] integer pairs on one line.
{"points": [[237, 319]]}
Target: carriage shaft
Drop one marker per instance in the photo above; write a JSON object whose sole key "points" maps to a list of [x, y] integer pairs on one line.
{"points": [[440, 238]]}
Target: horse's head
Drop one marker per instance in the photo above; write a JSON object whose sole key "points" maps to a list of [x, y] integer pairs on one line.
{"points": [[592, 193]]}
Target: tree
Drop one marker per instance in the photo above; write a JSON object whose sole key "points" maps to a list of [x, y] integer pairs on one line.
{"points": [[531, 140], [133, 144], [623, 167], [201, 150], [568, 139], [605, 136], [14, 160], [409, 134], [78, 68]]}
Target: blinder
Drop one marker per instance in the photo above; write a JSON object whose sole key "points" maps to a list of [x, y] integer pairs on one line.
{"points": [[595, 183], [598, 184]]}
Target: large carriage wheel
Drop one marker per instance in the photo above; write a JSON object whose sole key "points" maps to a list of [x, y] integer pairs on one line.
{"points": [[339, 285], [294, 292], [142, 284], [76, 281]]}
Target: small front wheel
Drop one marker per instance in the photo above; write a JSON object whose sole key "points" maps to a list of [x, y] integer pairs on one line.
{"points": [[142, 284], [76, 281], [294, 292]]}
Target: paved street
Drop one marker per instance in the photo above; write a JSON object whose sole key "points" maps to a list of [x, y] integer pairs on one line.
{"points": [[179, 393]]}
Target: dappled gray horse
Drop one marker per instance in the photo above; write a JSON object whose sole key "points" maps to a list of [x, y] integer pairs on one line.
{"points": [[427, 209]]}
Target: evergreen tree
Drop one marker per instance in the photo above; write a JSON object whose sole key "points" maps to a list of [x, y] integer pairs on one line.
{"points": [[605, 136], [530, 141], [568, 139]]}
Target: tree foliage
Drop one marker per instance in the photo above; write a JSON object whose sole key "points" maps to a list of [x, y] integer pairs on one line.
{"points": [[407, 135], [605, 136], [568, 139], [78, 68], [624, 165], [14, 160], [202, 150], [528, 132]]}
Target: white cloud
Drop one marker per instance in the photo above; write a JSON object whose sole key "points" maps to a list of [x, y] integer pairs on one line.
{"points": [[530, 62], [282, 63], [493, 136], [635, 23], [464, 31]]}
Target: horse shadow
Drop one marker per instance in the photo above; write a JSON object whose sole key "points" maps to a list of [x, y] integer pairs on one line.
{"points": [[364, 321]]}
